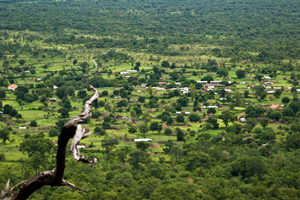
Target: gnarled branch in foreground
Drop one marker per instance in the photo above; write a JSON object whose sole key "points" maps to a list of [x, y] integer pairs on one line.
{"points": [[54, 177]]}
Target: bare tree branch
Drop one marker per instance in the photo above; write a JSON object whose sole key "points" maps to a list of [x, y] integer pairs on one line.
{"points": [[74, 148], [87, 113], [14, 187], [71, 185], [4, 191], [55, 177]]}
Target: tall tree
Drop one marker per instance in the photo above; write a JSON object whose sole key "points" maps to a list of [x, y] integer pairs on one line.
{"points": [[2, 94], [227, 117], [180, 135], [240, 73], [4, 135], [150, 90], [197, 159], [38, 161], [143, 128], [32, 145], [237, 97], [193, 91], [137, 157]]}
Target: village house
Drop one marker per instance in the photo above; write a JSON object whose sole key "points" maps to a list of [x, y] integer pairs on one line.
{"points": [[131, 70], [268, 88], [185, 90], [12, 87], [243, 119], [276, 107], [124, 73], [159, 88], [178, 84], [203, 82], [144, 85], [209, 107], [215, 82], [143, 140], [268, 83], [267, 77], [271, 92]]}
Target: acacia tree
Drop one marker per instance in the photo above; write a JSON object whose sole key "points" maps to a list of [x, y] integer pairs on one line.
{"points": [[55, 176]]}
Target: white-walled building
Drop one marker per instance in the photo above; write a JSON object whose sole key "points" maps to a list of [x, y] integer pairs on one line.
{"points": [[270, 92], [13, 87], [143, 140], [215, 82], [185, 90], [203, 82]]}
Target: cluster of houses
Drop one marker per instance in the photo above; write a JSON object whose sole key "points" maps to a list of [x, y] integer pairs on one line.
{"points": [[212, 84], [12, 87], [207, 86], [185, 113], [186, 90]]}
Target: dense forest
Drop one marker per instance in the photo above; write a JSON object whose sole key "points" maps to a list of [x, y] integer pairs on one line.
{"points": [[267, 30], [197, 99]]}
